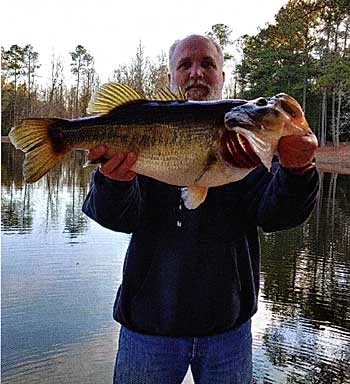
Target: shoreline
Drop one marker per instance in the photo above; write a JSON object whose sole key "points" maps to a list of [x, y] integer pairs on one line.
{"points": [[328, 158], [331, 159]]}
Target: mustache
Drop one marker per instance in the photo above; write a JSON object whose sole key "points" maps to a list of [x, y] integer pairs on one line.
{"points": [[196, 83]]}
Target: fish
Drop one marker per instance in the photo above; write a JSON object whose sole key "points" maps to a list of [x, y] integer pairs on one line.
{"points": [[191, 144]]}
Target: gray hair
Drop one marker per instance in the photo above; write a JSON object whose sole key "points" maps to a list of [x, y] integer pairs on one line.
{"points": [[176, 43]]}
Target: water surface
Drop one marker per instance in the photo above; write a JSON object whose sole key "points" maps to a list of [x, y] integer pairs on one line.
{"points": [[60, 272]]}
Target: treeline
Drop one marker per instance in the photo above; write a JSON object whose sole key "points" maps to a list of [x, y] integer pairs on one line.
{"points": [[305, 53], [22, 95]]}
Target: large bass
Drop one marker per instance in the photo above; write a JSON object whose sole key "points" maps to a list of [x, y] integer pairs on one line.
{"points": [[193, 144]]}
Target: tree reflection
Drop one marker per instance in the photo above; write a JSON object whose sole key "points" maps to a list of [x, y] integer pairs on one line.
{"points": [[274, 341], [64, 189], [16, 206], [75, 221], [16, 209], [306, 276]]}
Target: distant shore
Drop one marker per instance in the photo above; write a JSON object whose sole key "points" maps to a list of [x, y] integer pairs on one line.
{"points": [[328, 158], [331, 159]]}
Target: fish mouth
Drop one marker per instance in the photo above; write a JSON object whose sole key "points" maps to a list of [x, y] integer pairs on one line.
{"points": [[247, 124], [236, 150], [261, 122]]}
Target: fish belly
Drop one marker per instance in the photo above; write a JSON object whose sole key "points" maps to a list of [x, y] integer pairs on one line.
{"points": [[221, 174], [176, 165], [187, 167]]}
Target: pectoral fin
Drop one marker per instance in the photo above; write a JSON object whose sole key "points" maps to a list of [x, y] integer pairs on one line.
{"points": [[193, 196]]}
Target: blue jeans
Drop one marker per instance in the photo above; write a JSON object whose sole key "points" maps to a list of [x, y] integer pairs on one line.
{"points": [[219, 359]]}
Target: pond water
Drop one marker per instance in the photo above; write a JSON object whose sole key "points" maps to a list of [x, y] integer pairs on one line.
{"points": [[60, 273]]}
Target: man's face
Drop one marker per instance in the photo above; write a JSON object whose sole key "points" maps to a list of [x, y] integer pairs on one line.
{"points": [[197, 70]]}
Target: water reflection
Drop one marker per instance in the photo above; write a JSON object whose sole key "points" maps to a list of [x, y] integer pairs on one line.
{"points": [[60, 272], [305, 288], [63, 189]]}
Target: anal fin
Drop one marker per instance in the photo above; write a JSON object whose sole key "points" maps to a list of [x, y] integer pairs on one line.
{"points": [[193, 196]]}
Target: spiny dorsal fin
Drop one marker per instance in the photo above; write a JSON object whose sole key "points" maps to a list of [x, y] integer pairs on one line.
{"points": [[165, 94], [112, 95]]}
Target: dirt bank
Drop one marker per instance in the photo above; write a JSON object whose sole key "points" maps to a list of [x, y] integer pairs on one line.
{"points": [[330, 159]]}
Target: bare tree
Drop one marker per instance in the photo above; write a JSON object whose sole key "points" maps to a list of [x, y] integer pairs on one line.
{"points": [[82, 61], [30, 66]]}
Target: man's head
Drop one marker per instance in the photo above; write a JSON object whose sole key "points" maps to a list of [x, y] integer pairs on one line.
{"points": [[196, 67]]}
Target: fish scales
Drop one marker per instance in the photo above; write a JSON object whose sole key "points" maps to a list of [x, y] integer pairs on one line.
{"points": [[161, 142]]}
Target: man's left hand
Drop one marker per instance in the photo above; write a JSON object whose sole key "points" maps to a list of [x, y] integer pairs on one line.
{"points": [[297, 151]]}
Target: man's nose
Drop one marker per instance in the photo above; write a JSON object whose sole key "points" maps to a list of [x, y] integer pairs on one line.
{"points": [[196, 72]]}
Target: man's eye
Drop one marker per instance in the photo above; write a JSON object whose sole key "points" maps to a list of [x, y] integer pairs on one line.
{"points": [[184, 65], [208, 64]]}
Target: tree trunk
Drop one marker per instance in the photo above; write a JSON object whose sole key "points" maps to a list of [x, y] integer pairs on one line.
{"points": [[336, 37], [29, 110], [346, 33], [333, 117], [76, 106], [323, 119], [14, 120], [338, 117], [304, 95], [53, 81]]}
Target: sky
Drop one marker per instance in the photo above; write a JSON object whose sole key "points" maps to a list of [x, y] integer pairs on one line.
{"points": [[111, 30]]}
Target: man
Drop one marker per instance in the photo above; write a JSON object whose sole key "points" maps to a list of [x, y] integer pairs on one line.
{"points": [[191, 277]]}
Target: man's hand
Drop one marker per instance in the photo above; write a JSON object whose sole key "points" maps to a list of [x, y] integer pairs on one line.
{"points": [[297, 151], [118, 166]]}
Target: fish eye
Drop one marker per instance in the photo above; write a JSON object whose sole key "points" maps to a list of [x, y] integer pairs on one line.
{"points": [[261, 102]]}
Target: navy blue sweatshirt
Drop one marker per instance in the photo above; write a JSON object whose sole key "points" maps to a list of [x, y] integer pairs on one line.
{"points": [[196, 272]]}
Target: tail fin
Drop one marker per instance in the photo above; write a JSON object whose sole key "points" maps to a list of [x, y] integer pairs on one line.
{"points": [[42, 151]]}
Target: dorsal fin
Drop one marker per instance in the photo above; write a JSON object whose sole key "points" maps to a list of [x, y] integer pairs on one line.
{"points": [[165, 94], [112, 95]]}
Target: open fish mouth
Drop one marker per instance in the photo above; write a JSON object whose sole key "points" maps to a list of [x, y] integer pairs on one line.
{"points": [[240, 146], [261, 122], [236, 150]]}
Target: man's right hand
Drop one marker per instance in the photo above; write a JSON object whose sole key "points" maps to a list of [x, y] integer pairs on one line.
{"points": [[118, 166]]}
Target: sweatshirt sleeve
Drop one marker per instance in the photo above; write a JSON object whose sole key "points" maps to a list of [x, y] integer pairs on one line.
{"points": [[282, 200], [115, 205]]}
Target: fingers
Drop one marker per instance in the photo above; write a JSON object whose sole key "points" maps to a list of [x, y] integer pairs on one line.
{"points": [[297, 151], [96, 152], [118, 167], [302, 143]]}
